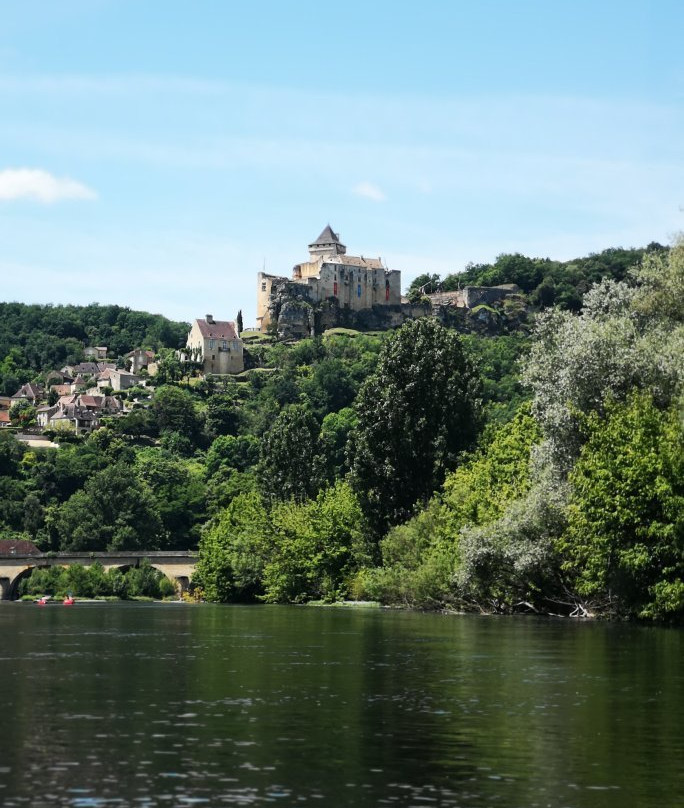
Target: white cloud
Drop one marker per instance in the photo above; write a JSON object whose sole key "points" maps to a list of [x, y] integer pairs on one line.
{"points": [[369, 191], [33, 183]]}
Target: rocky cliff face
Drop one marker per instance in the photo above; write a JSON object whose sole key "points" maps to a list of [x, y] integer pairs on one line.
{"points": [[506, 316], [291, 310], [296, 316], [329, 314]]}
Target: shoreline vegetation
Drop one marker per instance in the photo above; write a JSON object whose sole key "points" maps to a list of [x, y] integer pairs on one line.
{"points": [[539, 471], [92, 583], [187, 599]]}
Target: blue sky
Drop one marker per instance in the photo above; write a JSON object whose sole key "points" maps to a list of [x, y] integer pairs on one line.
{"points": [[158, 154]]}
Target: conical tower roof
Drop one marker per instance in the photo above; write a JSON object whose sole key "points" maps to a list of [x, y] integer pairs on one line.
{"points": [[328, 241]]}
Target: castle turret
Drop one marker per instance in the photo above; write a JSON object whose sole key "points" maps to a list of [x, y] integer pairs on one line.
{"points": [[328, 243]]}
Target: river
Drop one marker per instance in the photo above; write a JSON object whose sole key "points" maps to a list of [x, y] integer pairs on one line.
{"points": [[179, 705]]}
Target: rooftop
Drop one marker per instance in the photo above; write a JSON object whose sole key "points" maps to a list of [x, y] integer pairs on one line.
{"points": [[328, 236], [17, 547], [328, 240], [217, 329]]}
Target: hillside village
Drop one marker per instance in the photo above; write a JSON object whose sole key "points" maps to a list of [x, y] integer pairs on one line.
{"points": [[331, 289]]}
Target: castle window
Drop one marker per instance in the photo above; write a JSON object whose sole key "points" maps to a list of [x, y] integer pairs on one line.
{"points": [[224, 345], [212, 343], [263, 287]]}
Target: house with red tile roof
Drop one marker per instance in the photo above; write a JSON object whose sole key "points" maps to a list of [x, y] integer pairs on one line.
{"points": [[217, 345], [10, 547], [62, 389]]}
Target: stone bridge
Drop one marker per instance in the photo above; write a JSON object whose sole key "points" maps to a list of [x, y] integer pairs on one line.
{"points": [[178, 566]]}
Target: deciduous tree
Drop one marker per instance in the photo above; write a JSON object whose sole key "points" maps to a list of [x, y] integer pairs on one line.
{"points": [[288, 466], [416, 412], [232, 551], [113, 511], [625, 538]]}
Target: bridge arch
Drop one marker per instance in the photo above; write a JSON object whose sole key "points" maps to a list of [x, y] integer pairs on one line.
{"points": [[13, 583], [180, 582], [11, 588]]}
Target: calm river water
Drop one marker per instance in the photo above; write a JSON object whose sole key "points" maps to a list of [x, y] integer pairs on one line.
{"points": [[178, 705]]}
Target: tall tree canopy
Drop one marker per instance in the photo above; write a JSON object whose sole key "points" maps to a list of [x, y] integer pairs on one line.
{"points": [[288, 465], [417, 412]]}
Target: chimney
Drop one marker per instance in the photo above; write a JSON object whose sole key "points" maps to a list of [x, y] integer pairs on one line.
{"points": [[210, 319]]}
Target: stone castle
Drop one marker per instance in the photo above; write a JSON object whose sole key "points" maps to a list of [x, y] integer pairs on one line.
{"points": [[347, 283], [334, 289]]}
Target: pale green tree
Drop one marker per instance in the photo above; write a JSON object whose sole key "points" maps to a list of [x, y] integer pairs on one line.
{"points": [[623, 548]]}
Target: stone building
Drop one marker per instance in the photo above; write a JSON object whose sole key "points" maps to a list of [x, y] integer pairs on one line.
{"points": [[96, 352], [352, 282], [139, 359], [217, 345], [471, 296], [117, 379]]}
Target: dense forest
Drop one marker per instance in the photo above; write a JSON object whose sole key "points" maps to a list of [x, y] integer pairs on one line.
{"points": [[35, 338], [538, 472], [545, 282]]}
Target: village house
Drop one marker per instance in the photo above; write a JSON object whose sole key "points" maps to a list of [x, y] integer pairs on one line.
{"points": [[139, 359], [44, 413], [55, 377], [62, 389], [74, 418], [118, 379], [79, 413], [217, 345], [87, 368], [355, 282], [29, 392], [97, 352]]}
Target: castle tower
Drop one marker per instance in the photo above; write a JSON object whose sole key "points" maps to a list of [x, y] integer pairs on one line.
{"points": [[328, 243]]}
